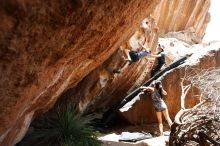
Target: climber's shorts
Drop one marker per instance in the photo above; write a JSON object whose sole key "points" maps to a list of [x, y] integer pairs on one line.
{"points": [[159, 107], [134, 56]]}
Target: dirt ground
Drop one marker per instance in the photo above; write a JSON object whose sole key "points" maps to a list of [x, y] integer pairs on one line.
{"points": [[111, 138]]}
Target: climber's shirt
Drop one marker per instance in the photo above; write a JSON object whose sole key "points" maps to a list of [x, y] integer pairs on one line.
{"points": [[142, 53], [161, 59], [136, 55]]}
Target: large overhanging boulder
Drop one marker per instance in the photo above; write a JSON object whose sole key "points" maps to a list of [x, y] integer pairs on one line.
{"points": [[48, 47]]}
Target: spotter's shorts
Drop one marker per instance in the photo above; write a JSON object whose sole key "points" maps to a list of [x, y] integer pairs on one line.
{"points": [[160, 106]]}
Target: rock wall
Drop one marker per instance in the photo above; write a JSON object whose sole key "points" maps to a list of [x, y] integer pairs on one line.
{"points": [[143, 111], [108, 87], [188, 18], [191, 15], [70, 47], [49, 46]]}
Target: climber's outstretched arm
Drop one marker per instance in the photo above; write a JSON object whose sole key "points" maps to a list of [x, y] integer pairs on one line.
{"points": [[143, 88]]}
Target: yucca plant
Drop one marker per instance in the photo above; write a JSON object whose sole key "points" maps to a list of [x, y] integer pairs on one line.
{"points": [[64, 127]]}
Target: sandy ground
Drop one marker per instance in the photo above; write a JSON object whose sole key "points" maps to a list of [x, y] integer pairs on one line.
{"points": [[112, 138]]}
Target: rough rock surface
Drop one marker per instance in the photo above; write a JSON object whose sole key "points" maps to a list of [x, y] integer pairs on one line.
{"points": [[168, 15], [50, 47], [143, 111], [191, 15], [107, 87]]}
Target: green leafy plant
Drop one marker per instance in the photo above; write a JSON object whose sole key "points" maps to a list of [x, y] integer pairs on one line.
{"points": [[64, 127]]}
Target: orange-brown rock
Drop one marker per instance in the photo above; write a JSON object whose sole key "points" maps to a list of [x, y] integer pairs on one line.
{"points": [[70, 46], [49, 46], [191, 15], [107, 87], [143, 111]]}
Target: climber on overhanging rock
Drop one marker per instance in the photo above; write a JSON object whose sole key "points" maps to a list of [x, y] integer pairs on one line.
{"points": [[160, 60], [157, 93], [134, 56]]}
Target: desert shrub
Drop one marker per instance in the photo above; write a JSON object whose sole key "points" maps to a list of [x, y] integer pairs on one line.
{"points": [[63, 127]]}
